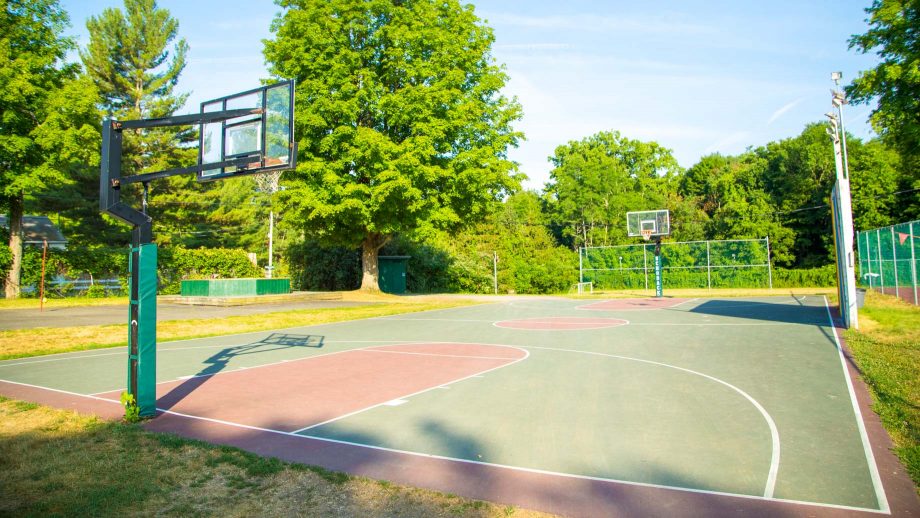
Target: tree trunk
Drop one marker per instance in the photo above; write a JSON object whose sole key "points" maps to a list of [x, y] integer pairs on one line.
{"points": [[369, 267], [12, 279]]}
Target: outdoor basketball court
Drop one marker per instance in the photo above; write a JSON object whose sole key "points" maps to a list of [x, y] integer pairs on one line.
{"points": [[556, 404]]}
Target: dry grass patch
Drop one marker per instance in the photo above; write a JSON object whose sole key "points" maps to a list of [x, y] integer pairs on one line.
{"points": [[69, 302], [58, 462], [21, 343], [887, 350]]}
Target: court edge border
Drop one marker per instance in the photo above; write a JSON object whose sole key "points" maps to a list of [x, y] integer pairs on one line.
{"points": [[874, 473], [465, 461], [880, 495]]}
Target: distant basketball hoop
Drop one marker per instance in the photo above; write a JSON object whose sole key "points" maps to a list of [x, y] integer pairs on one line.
{"points": [[647, 233]]}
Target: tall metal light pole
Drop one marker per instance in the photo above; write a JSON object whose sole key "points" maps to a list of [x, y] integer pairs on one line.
{"points": [[842, 210]]}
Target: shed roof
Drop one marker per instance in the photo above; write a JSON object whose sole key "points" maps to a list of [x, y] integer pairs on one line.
{"points": [[37, 228]]}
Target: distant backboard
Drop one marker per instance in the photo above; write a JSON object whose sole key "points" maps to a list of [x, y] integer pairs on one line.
{"points": [[259, 142], [652, 222]]}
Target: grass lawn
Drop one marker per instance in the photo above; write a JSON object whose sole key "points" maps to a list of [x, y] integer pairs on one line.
{"points": [[20, 343], [887, 351], [59, 463]]}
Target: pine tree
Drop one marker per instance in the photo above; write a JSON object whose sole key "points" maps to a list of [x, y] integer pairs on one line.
{"points": [[130, 60]]}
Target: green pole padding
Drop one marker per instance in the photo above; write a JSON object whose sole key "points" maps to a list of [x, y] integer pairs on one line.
{"points": [[658, 290], [142, 330]]}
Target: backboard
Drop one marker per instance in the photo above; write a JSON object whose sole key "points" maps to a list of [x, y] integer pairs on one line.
{"points": [[258, 142], [652, 222]]}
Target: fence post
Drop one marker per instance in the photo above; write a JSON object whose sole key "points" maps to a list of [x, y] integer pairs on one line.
{"points": [[881, 267], [708, 268], [913, 263], [581, 271], [769, 263], [645, 264], [894, 261]]}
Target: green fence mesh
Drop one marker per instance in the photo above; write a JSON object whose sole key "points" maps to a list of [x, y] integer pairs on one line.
{"points": [[888, 259], [742, 263]]}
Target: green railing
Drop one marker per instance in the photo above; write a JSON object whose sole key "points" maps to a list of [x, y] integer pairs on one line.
{"points": [[738, 263], [888, 260]]}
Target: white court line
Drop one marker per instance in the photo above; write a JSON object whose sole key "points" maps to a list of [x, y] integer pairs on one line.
{"points": [[433, 319], [725, 324], [592, 327], [407, 396], [774, 432], [480, 463], [87, 354], [682, 303], [520, 469], [91, 396], [587, 307], [372, 350], [164, 348], [880, 496]]}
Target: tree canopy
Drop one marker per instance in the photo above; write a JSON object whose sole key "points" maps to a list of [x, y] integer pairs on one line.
{"points": [[39, 142], [597, 180], [400, 118], [894, 84]]}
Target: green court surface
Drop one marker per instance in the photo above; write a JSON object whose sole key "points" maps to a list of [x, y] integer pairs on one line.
{"points": [[730, 396]]}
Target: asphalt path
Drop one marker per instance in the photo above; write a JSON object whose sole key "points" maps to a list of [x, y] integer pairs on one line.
{"points": [[118, 314]]}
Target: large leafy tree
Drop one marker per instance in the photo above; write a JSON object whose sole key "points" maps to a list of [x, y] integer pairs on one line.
{"points": [[42, 135], [597, 180], [134, 64], [895, 83], [400, 119]]}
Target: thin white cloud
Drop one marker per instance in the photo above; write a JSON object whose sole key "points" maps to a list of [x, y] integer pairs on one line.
{"points": [[593, 23], [727, 142], [785, 108]]}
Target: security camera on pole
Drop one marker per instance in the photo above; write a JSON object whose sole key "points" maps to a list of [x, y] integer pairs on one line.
{"points": [[842, 210]]}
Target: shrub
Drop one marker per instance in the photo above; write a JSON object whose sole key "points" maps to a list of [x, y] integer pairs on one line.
{"points": [[821, 277], [317, 268], [176, 264]]}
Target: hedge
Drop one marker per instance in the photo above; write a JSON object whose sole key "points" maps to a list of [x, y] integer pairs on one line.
{"points": [[99, 262]]}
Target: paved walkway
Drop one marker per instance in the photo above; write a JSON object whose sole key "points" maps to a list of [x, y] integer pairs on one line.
{"points": [[118, 314]]}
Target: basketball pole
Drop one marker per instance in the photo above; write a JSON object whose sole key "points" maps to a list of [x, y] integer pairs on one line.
{"points": [[659, 282], [142, 266]]}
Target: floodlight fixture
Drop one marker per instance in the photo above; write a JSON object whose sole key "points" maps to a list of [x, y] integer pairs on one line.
{"points": [[836, 76]]}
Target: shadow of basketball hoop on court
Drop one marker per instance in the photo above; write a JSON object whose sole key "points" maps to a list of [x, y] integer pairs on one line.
{"points": [[219, 361]]}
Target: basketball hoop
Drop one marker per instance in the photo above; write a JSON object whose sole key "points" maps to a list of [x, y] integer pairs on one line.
{"points": [[646, 234], [268, 182]]}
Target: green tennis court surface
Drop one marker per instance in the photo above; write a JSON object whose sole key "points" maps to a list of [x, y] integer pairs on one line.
{"points": [[737, 396]]}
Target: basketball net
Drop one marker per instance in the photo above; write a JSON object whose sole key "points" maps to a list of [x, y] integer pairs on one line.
{"points": [[646, 234], [268, 182]]}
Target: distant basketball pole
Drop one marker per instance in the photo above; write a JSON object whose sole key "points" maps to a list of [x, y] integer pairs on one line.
{"points": [[842, 211]]}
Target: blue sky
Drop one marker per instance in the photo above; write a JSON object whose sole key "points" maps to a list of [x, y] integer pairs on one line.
{"points": [[698, 77]]}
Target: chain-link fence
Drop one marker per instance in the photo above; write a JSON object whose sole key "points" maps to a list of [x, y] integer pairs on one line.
{"points": [[740, 263], [888, 260]]}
